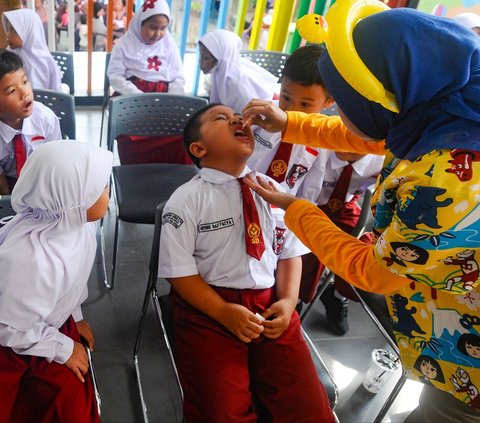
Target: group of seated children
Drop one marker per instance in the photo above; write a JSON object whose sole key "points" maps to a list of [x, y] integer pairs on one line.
{"points": [[234, 266]]}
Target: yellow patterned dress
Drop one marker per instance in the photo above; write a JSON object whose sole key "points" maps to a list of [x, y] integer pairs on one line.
{"points": [[426, 258]]}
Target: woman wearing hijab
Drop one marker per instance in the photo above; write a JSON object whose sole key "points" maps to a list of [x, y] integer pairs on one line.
{"points": [[26, 37], [234, 80], [46, 254], [426, 204], [146, 58]]}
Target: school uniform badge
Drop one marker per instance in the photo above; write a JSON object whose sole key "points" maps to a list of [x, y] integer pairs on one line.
{"points": [[278, 240], [173, 219]]}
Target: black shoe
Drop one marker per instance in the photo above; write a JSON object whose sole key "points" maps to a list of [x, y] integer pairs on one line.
{"points": [[336, 310]]}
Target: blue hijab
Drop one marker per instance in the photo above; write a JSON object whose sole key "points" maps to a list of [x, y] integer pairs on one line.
{"points": [[432, 65]]}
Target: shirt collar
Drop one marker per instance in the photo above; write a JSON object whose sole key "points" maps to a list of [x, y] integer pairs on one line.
{"points": [[218, 177], [7, 132], [361, 167]]}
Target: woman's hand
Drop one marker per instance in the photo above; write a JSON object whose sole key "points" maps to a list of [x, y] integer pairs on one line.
{"points": [[267, 190], [266, 115]]}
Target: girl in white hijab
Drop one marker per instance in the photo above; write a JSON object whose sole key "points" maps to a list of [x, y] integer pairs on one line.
{"points": [[234, 79], [26, 37], [146, 58], [46, 254]]}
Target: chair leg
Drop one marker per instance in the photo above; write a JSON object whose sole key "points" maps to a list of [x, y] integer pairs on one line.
{"points": [[321, 289], [146, 299], [115, 254], [393, 395], [104, 255]]}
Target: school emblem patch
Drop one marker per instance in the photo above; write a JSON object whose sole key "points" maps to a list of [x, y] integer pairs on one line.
{"points": [[278, 167], [253, 232], [278, 240], [173, 219], [295, 173]]}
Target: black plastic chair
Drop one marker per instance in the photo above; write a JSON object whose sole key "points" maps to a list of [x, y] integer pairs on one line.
{"points": [[138, 188], [63, 105], [163, 311], [65, 63], [272, 61]]}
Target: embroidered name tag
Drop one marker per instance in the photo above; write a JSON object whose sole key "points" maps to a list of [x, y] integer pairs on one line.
{"points": [[266, 143], [215, 226], [173, 219]]}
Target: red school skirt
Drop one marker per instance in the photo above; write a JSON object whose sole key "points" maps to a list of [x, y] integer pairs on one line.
{"points": [[139, 149], [34, 390]]}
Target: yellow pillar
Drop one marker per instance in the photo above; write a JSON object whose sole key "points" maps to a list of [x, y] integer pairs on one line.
{"points": [[282, 16], [257, 24]]}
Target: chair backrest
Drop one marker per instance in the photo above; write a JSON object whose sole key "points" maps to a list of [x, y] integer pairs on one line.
{"points": [[150, 114], [6, 211], [63, 105], [366, 218], [65, 63], [273, 61]]}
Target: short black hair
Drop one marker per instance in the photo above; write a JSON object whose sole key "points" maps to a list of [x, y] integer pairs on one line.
{"points": [[191, 132], [9, 62], [302, 65]]}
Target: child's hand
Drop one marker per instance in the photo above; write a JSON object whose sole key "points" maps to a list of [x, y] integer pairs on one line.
{"points": [[78, 361], [277, 317], [241, 322], [85, 332], [266, 115], [268, 191]]}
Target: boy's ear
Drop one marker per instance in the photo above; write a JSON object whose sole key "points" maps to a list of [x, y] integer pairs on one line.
{"points": [[329, 102], [198, 149]]}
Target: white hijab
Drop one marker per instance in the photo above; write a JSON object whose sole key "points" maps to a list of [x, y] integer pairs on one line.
{"points": [[47, 250], [40, 66], [235, 80], [136, 52], [470, 20]]}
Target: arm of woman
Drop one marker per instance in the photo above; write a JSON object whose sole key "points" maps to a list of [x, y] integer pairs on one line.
{"points": [[344, 254]]}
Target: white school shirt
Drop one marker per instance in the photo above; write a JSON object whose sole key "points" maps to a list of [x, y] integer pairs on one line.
{"points": [[320, 182], [302, 158], [41, 126], [203, 233]]}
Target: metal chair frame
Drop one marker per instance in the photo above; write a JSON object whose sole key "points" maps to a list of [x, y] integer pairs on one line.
{"points": [[272, 61], [63, 105], [65, 62], [106, 95], [161, 302], [147, 114]]}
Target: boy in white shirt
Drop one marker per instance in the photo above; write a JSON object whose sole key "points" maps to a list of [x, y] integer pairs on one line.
{"points": [[24, 124], [235, 307]]}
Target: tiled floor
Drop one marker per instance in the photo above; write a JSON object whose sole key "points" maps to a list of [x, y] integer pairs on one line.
{"points": [[114, 317]]}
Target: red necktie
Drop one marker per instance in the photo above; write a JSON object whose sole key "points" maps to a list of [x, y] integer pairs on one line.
{"points": [[20, 152], [337, 198], [278, 168], [253, 231]]}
